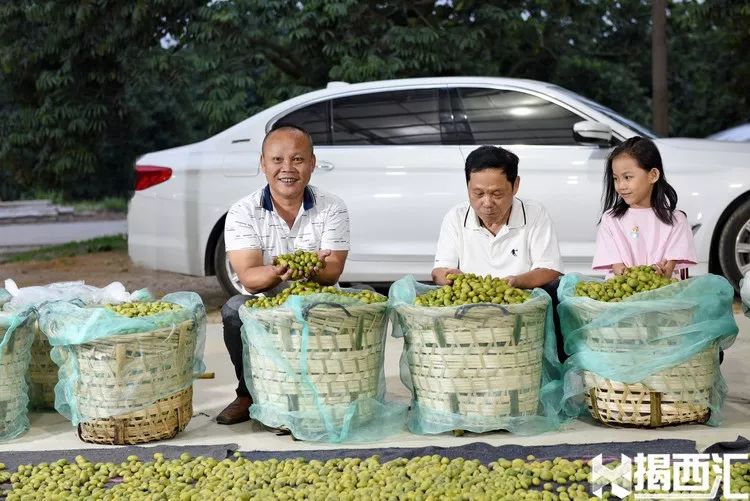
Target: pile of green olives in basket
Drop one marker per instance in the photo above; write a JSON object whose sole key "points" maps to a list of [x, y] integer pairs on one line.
{"points": [[469, 288], [634, 280], [142, 309], [307, 288]]}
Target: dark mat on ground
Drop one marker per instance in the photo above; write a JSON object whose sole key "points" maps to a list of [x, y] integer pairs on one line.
{"points": [[487, 453], [115, 454], [477, 450], [737, 447]]}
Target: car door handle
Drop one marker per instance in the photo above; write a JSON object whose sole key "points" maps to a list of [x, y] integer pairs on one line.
{"points": [[325, 166]]}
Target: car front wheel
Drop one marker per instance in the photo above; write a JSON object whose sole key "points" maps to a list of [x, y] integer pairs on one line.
{"points": [[734, 245], [227, 277]]}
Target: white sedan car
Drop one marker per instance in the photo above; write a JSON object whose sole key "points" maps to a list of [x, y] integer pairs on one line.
{"points": [[738, 133], [394, 151]]}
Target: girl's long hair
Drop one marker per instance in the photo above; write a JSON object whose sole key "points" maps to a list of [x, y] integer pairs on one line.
{"points": [[646, 155]]}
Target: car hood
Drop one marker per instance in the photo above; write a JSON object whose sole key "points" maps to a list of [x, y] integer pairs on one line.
{"points": [[704, 145]]}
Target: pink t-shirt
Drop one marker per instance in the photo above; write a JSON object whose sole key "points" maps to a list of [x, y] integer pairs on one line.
{"points": [[640, 238]]}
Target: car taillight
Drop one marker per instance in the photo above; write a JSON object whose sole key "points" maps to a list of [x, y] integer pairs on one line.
{"points": [[147, 176]]}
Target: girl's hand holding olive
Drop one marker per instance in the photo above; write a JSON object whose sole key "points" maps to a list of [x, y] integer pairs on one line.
{"points": [[619, 269], [664, 268]]}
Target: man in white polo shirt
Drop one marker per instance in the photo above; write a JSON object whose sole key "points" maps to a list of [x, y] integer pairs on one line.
{"points": [[286, 215], [497, 234]]}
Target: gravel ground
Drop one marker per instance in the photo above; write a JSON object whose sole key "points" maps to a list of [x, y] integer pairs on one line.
{"points": [[104, 268]]}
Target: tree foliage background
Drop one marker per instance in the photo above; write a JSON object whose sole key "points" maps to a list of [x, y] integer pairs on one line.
{"points": [[86, 86]]}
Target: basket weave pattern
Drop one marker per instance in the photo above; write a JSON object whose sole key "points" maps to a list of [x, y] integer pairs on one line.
{"points": [[477, 362], [162, 420], [42, 376], [14, 361], [679, 394], [120, 376], [344, 361]]}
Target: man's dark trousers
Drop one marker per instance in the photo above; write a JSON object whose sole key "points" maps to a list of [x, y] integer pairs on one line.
{"points": [[230, 316]]}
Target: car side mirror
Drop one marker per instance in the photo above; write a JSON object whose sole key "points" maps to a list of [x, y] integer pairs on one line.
{"points": [[589, 131]]}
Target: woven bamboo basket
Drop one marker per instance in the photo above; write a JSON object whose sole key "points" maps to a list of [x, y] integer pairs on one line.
{"points": [[42, 375], [14, 362], [477, 361], [165, 419], [119, 377], [344, 361], [680, 394]]}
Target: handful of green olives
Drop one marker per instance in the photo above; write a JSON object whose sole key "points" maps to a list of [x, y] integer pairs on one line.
{"points": [[307, 288], [142, 309], [469, 288], [634, 280], [303, 264]]}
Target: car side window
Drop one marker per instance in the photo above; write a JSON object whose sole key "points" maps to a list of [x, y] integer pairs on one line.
{"points": [[493, 116], [416, 116], [314, 118]]}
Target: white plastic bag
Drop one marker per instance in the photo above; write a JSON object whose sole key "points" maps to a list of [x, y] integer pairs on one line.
{"points": [[22, 298]]}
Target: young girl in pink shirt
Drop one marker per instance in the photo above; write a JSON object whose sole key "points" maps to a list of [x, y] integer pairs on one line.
{"points": [[640, 224]]}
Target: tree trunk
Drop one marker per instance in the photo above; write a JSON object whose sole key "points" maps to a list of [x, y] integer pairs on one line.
{"points": [[660, 96]]}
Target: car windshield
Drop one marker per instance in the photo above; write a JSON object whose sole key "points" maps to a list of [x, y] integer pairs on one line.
{"points": [[640, 129]]}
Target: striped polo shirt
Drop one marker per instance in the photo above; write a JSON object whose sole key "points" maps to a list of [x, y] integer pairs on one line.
{"points": [[321, 223]]}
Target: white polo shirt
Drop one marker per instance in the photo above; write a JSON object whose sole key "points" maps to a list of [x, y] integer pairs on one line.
{"points": [[526, 243], [321, 223]]}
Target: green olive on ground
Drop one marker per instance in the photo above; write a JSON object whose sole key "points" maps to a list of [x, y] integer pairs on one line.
{"points": [[423, 477]]}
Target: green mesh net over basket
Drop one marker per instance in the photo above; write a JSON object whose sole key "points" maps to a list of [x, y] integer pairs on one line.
{"points": [[478, 367], [42, 374], [314, 365], [652, 359], [16, 336], [126, 380]]}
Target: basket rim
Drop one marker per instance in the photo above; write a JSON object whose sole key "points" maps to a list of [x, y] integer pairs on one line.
{"points": [[131, 336], [408, 311], [284, 311], [591, 304]]}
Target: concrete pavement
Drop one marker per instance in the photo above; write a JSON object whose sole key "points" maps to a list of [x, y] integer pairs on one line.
{"points": [[20, 237]]}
